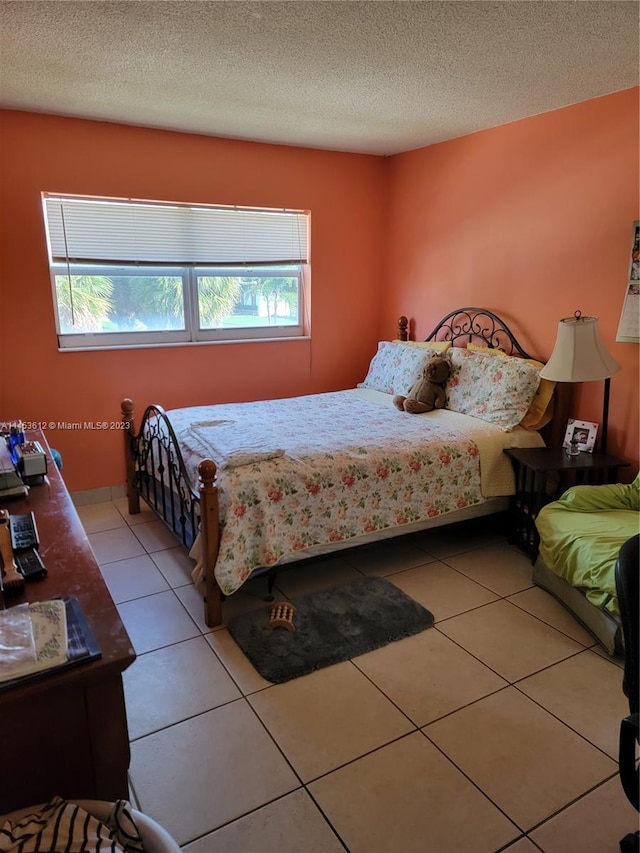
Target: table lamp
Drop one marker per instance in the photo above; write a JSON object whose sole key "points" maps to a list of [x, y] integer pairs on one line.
{"points": [[579, 355]]}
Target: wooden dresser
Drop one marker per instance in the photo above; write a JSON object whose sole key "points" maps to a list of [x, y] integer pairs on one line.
{"points": [[66, 733]]}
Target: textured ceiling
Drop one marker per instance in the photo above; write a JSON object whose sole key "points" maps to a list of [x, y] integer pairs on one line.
{"points": [[378, 77]]}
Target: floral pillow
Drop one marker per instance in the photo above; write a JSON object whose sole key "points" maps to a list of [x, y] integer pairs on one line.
{"points": [[497, 390], [541, 409], [395, 367]]}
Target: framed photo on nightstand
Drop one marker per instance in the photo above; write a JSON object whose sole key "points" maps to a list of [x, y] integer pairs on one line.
{"points": [[580, 435]]}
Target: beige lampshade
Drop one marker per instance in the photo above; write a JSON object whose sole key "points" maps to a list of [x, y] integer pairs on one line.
{"points": [[579, 354]]}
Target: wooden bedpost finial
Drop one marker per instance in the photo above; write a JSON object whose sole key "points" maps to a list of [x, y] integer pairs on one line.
{"points": [[403, 325], [207, 471], [126, 407]]}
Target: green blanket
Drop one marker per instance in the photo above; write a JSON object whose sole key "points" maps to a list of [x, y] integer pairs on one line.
{"points": [[582, 533]]}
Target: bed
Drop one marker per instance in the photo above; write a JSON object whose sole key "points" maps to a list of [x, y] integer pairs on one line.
{"points": [[580, 538], [248, 487]]}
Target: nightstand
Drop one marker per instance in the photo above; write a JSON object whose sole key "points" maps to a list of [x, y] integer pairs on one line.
{"points": [[542, 475]]}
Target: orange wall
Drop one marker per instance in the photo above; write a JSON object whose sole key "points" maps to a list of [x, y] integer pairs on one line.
{"points": [[532, 220], [344, 192]]}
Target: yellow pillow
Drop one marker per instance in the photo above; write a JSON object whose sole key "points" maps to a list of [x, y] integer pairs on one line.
{"points": [[540, 411], [438, 346], [486, 350]]}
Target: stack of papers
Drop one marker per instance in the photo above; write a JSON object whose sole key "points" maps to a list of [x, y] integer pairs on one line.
{"points": [[42, 636]]}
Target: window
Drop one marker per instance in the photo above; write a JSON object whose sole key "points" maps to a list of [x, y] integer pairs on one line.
{"points": [[129, 273]]}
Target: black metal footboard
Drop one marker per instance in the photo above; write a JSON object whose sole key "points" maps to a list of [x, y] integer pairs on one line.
{"points": [[161, 478]]}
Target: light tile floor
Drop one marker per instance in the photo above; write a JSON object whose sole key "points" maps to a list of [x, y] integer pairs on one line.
{"points": [[494, 730]]}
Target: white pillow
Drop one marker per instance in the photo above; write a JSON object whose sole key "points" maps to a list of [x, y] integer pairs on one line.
{"points": [[395, 367], [497, 390]]}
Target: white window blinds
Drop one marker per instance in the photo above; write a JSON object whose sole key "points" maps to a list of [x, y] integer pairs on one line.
{"points": [[105, 231]]}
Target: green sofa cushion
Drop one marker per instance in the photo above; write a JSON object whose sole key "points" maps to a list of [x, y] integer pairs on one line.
{"points": [[581, 535]]}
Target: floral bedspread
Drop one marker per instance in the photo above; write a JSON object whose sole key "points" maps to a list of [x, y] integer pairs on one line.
{"points": [[333, 466]]}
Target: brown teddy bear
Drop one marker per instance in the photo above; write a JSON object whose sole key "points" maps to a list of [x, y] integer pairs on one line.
{"points": [[427, 393]]}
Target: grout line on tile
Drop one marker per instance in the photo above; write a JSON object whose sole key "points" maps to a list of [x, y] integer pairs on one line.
{"points": [[506, 600], [340, 766], [456, 553], [103, 529], [419, 727], [469, 652], [364, 755], [499, 596], [571, 803], [500, 675], [506, 846], [549, 666], [151, 594], [141, 655], [559, 719], [544, 621], [163, 592], [448, 758], [230, 674], [380, 690], [468, 704], [326, 819], [470, 610], [184, 719], [239, 817], [273, 740]]}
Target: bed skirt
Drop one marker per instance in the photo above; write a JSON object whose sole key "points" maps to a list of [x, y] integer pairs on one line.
{"points": [[492, 506]]}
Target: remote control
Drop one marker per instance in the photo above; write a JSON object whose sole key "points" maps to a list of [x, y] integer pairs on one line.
{"points": [[24, 533], [30, 565]]}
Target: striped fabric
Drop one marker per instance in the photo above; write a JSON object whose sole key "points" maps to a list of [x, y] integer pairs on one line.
{"points": [[62, 827], [125, 829]]}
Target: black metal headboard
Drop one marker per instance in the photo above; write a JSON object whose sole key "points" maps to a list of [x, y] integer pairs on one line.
{"points": [[472, 325]]}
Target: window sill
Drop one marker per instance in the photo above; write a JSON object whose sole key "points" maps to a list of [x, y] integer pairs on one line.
{"points": [[236, 341]]}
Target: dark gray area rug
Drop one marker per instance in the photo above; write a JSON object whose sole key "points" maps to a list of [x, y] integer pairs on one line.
{"points": [[330, 626]]}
